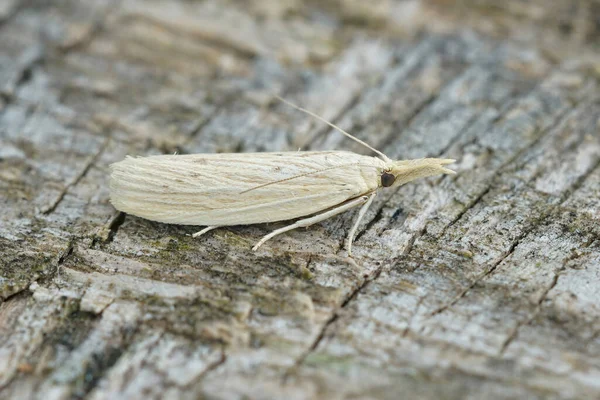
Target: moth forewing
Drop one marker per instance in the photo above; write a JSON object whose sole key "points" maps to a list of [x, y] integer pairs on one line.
{"points": [[240, 189]]}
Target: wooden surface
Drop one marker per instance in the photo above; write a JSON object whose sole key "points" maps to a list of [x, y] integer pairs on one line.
{"points": [[481, 285]]}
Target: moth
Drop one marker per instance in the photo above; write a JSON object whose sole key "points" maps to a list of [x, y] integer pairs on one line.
{"points": [[216, 190]]}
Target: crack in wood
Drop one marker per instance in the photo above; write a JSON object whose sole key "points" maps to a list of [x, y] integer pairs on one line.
{"points": [[353, 295], [300, 360], [109, 230], [334, 316], [14, 294], [66, 254], [481, 276], [221, 42], [580, 181], [206, 121], [62, 257], [537, 221], [470, 205], [514, 332], [114, 226], [36, 58], [49, 209], [209, 368], [538, 307], [167, 382], [101, 363], [492, 180], [378, 216], [389, 139], [498, 172]]}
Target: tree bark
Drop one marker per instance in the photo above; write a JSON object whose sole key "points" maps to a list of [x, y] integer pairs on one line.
{"points": [[485, 284]]}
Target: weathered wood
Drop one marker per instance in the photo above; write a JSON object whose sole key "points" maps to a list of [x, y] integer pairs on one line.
{"points": [[484, 284]]}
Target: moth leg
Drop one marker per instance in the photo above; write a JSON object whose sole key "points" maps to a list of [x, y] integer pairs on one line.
{"points": [[314, 219], [361, 214], [203, 231]]}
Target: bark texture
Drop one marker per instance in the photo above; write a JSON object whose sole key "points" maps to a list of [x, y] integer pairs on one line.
{"points": [[481, 285]]}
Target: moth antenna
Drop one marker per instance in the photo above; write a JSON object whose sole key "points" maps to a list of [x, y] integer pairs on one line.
{"points": [[385, 158]]}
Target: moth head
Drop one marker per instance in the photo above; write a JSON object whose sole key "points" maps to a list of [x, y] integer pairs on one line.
{"points": [[403, 171]]}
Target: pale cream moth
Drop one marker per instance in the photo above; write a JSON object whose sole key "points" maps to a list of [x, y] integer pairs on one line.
{"points": [[216, 190]]}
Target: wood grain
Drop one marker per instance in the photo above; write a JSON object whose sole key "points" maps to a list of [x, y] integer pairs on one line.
{"points": [[481, 285]]}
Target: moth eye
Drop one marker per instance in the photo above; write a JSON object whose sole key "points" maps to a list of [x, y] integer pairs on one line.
{"points": [[387, 179]]}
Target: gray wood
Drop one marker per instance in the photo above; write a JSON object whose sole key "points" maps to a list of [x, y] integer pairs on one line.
{"points": [[481, 285]]}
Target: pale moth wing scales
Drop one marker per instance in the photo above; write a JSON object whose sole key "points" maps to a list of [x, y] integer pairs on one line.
{"points": [[215, 190], [226, 189]]}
